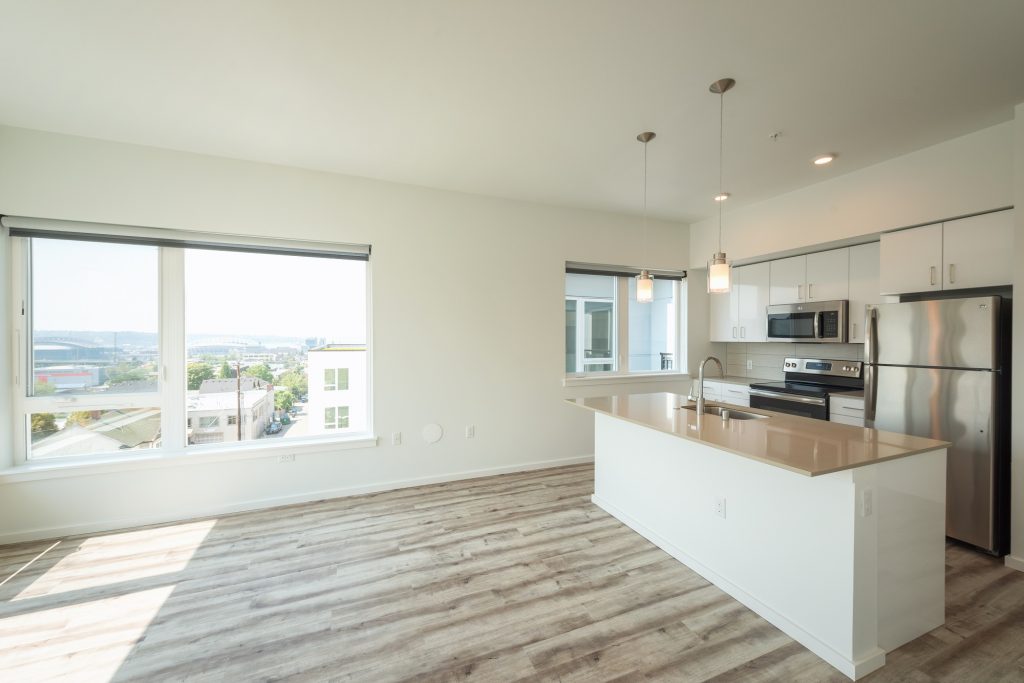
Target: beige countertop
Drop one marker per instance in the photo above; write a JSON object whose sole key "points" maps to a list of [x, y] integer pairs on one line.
{"points": [[799, 444]]}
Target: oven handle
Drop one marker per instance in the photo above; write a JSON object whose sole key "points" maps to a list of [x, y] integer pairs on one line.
{"points": [[787, 397]]}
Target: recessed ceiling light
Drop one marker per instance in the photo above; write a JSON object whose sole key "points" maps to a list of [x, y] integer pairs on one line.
{"points": [[721, 196], [824, 159]]}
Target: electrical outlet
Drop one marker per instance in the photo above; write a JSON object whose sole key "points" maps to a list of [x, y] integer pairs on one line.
{"points": [[286, 457], [750, 364], [470, 431], [720, 507], [867, 503], [396, 439]]}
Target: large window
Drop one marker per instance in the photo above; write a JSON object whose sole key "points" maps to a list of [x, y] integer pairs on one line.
{"points": [[152, 343], [608, 332]]}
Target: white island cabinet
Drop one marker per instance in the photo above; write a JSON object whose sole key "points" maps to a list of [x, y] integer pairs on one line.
{"points": [[834, 534]]}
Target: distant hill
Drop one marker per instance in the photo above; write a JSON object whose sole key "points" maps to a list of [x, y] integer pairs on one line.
{"points": [[149, 339]]}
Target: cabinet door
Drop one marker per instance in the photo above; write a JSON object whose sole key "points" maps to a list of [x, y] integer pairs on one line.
{"points": [[720, 316], [754, 282], [828, 275], [788, 277], [911, 260], [978, 251], [864, 286]]}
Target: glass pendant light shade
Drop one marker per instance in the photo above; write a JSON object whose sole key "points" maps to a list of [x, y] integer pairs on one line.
{"points": [[718, 274], [644, 287]]}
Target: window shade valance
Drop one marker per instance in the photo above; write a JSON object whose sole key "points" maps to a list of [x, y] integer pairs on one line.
{"points": [[20, 226], [622, 271]]}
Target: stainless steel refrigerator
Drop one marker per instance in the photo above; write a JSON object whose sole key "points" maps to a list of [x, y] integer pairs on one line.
{"points": [[940, 369]]}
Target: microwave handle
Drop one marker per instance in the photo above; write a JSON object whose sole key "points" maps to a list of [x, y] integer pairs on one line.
{"points": [[817, 325]]}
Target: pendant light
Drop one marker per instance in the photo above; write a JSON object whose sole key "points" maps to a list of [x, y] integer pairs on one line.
{"points": [[644, 281], [718, 266]]}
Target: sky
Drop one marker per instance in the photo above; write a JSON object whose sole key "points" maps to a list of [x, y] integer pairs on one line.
{"points": [[100, 287]]}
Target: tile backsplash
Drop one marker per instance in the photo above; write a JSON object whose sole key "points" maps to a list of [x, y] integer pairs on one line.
{"points": [[766, 359]]}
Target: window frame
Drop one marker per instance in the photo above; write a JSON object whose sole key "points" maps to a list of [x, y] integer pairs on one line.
{"points": [[171, 395], [620, 342]]}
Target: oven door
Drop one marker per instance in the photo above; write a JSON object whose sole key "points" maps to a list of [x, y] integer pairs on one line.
{"points": [[804, 406]]}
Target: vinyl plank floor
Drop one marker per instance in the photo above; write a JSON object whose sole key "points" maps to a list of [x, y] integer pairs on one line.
{"points": [[510, 578]]}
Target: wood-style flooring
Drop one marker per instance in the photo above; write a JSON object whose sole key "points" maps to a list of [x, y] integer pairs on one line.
{"points": [[515, 577]]}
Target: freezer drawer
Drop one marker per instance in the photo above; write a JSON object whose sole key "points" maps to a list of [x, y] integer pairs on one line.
{"points": [[954, 406]]}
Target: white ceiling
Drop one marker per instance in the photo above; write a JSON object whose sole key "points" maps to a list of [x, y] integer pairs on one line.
{"points": [[530, 99]]}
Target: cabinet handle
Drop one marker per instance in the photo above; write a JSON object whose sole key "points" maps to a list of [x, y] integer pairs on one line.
{"points": [[952, 276], [734, 333], [743, 332], [854, 330], [800, 292], [810, 290], [931, 279]]}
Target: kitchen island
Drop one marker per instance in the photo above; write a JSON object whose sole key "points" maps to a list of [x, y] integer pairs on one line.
{"points": [[835, 534]]}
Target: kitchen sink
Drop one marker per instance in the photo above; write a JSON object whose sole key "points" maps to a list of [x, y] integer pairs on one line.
{"points": [[725, 412]]}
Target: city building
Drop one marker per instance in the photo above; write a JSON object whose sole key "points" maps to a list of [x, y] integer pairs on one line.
{"points": [[337, 389], [214, 409]]}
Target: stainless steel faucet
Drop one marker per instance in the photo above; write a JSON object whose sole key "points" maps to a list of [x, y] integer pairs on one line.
{"points": [[700, 382]]}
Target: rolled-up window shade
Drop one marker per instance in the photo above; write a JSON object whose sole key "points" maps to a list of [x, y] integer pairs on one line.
{"points": [[20, 226], [621, 271]]}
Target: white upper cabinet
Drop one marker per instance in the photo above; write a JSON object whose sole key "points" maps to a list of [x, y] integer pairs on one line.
{"points": [[911, 260], [823, 276], [828, 275], [961, 254], [788, 278], [752, 282], [740, 314], [723, 327], [864, 286], [978, 251]]}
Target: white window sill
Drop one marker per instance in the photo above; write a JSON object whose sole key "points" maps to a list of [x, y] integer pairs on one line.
{"points": [[195, 455], [635, 378]]}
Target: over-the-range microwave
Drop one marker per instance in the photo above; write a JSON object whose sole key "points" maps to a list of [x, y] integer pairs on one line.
{"points": [[812, 321]]}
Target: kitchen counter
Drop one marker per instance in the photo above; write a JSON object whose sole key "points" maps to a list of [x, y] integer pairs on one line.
{"points": [[799, 444], [833, 533]]}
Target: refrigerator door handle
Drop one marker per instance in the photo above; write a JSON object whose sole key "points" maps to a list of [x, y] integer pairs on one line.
{"points": [[870, 358]]}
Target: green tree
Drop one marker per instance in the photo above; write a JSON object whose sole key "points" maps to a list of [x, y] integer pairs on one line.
{"points": [[296, 382], [44, 389], [261, 371], [226, 371], [80, 417], [197, 372], [126, 372], [283, 399], [43, 423]]}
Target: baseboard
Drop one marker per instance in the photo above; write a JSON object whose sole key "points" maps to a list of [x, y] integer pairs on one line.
{"points": [[1015, 562], [55, 532], [853, 669]]}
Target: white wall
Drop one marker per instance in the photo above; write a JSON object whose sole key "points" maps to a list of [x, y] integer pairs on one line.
{"points": [[467, 319], [961, 176], [1016, 558]]}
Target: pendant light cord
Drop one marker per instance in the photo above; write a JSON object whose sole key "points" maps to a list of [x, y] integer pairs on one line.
{"points": [[645, 202], [721, 162]]}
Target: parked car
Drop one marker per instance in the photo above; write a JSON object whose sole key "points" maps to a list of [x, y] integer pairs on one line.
{"points": [[285, 420], [274, 428], [293, 410]]}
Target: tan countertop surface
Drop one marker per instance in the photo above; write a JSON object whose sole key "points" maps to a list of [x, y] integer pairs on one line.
{"points": [[799, 444]]}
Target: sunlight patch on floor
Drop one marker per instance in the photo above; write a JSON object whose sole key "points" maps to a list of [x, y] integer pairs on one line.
{"points": [[127, 556], [85, 641]]}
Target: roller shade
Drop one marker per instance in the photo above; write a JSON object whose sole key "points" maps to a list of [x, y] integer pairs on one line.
{"points": [[621, 271], [20, 226]]}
